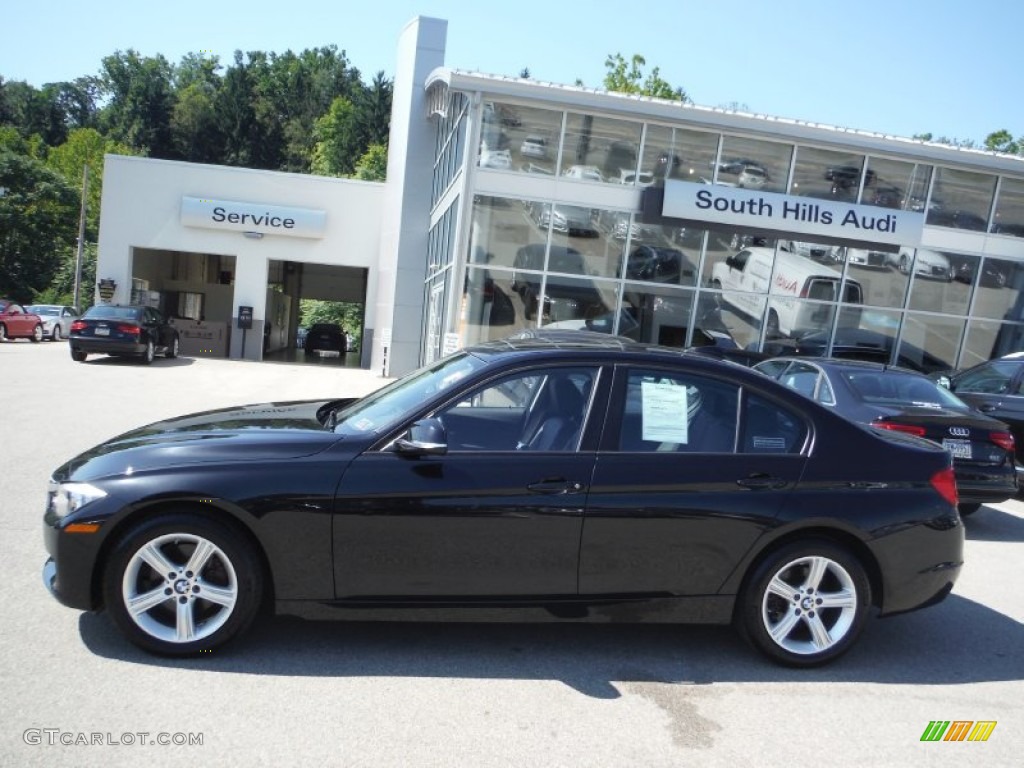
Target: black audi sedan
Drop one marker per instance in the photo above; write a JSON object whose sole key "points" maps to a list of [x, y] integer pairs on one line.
{"points": [[123, 331], [535, 479], [907, 401]]}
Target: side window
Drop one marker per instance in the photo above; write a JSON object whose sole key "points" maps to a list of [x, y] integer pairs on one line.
{"points": [[679, 413], [537, 410], [801, 377], [769, 428], [993, 379]]}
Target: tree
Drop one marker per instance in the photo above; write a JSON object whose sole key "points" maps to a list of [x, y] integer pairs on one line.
{"points": [[38, 217], [1003, 141], [374, 110], [338, 140], [140, 101], [628, 77], [346, 314], [373, 165]]}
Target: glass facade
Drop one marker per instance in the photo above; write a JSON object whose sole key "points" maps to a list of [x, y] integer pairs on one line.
{"points": [[554, 257]]}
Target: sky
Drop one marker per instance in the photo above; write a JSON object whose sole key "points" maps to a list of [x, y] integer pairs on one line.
{"points": [[952, 68]]}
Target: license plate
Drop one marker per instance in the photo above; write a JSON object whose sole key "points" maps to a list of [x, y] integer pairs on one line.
{"points": [[961, 449], [102, 331]]}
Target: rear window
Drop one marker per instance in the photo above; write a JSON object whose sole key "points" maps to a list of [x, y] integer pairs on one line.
{"points": [[894, 388], [104, 312]]}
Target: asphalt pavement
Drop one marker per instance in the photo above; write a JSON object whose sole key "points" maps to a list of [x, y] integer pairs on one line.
{"points": [[365, 694]]}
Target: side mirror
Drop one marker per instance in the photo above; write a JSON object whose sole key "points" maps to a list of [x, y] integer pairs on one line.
{"points": [[425, 438], [944, 381]]}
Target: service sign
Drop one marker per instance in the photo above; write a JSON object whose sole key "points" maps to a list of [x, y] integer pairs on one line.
{"points": [[737, 207], [252, 217]]}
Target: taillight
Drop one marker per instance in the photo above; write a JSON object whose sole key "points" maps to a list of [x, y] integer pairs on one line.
{"points": [[78, 325], [910, 429], [1003, 439], [132, 330], [944, 481]]}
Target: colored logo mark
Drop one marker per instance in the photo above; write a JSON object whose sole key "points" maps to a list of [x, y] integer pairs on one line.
{"points": [[958, 730]]}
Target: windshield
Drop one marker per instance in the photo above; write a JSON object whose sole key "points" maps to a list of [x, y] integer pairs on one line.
{"points": [[38, 310], [383, 408]]}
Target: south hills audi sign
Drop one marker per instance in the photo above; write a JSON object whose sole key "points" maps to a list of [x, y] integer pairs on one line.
{"points": [[252, 217], [828, 219]]}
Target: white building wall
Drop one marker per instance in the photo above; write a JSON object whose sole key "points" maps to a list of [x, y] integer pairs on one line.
{"points": [[141, 208]]}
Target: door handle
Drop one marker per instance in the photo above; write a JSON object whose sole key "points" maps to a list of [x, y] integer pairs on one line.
{"points": [[988, 408], [555, 486], [761, 482]]}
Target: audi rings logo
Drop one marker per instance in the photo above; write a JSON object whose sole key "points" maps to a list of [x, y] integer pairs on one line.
{"points": [[959, 431]]}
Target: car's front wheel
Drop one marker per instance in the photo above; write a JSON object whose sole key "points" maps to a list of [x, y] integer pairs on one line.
{"points": [[3, 332], [805, 604], [172, 349], [180, 584], [55, 336], [149, 353], [37, 334]]}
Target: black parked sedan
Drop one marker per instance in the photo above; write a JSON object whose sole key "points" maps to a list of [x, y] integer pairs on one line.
{"points": [[907, 401], [995, 388], [325, 337], [124, 331], [536, 478]]}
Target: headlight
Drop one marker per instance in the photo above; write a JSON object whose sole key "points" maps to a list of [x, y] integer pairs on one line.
{"points": [[66, 498]]}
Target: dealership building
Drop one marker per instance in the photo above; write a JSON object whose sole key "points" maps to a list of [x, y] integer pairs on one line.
{"points": [[512, 204]]}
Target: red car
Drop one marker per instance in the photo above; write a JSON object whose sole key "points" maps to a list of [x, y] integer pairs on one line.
{"points": [[15, 322]]}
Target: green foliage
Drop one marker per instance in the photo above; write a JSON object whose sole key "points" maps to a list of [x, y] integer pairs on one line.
{"points": [[628, 77], [338, 140], [346, 314], [1003, 141], [373, 165], [140, 98], [38, 220]]}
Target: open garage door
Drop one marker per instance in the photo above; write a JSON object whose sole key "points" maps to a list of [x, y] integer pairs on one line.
{"points": [[315, 314]]}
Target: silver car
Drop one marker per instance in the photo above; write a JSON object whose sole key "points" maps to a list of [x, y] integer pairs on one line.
{"points": [[57, 319]]}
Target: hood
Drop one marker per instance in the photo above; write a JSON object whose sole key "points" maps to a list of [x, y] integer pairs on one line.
{"points": [[237, 434]]}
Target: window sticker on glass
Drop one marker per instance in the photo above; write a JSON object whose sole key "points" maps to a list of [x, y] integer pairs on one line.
{"points": [[664, 412]]}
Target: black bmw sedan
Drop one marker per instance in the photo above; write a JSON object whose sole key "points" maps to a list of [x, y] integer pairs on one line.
{"points": [[534, 478], [906, 401]]}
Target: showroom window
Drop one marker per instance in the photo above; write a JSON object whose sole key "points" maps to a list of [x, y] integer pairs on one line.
{"points": [[519, 138], [829, 174], [897, 184], [754, 164], [961, 199], [676, 153], [1009, 214], [599, 149]]}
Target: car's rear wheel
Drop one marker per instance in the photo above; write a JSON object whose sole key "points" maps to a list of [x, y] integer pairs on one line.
{"points": [[968, 509], [180, 584], [78, 355], [3, 332], [805, 604], [37, 334], [149, 353]]}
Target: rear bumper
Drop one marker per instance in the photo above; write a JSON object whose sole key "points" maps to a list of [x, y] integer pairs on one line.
{"points": [[981, 485], [106, 346]]}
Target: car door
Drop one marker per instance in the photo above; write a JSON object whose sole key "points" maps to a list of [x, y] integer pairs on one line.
{"points": [[499, 514], [692, 469]]}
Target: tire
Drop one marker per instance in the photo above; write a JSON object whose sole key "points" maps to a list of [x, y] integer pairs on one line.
{"points": [[3, 332], [78, 355], [904, 265], [778, 608], [968, 509], [37, 334], [56, 335], [172, 349], [162, 605], [773, 333], [147, 356]]}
